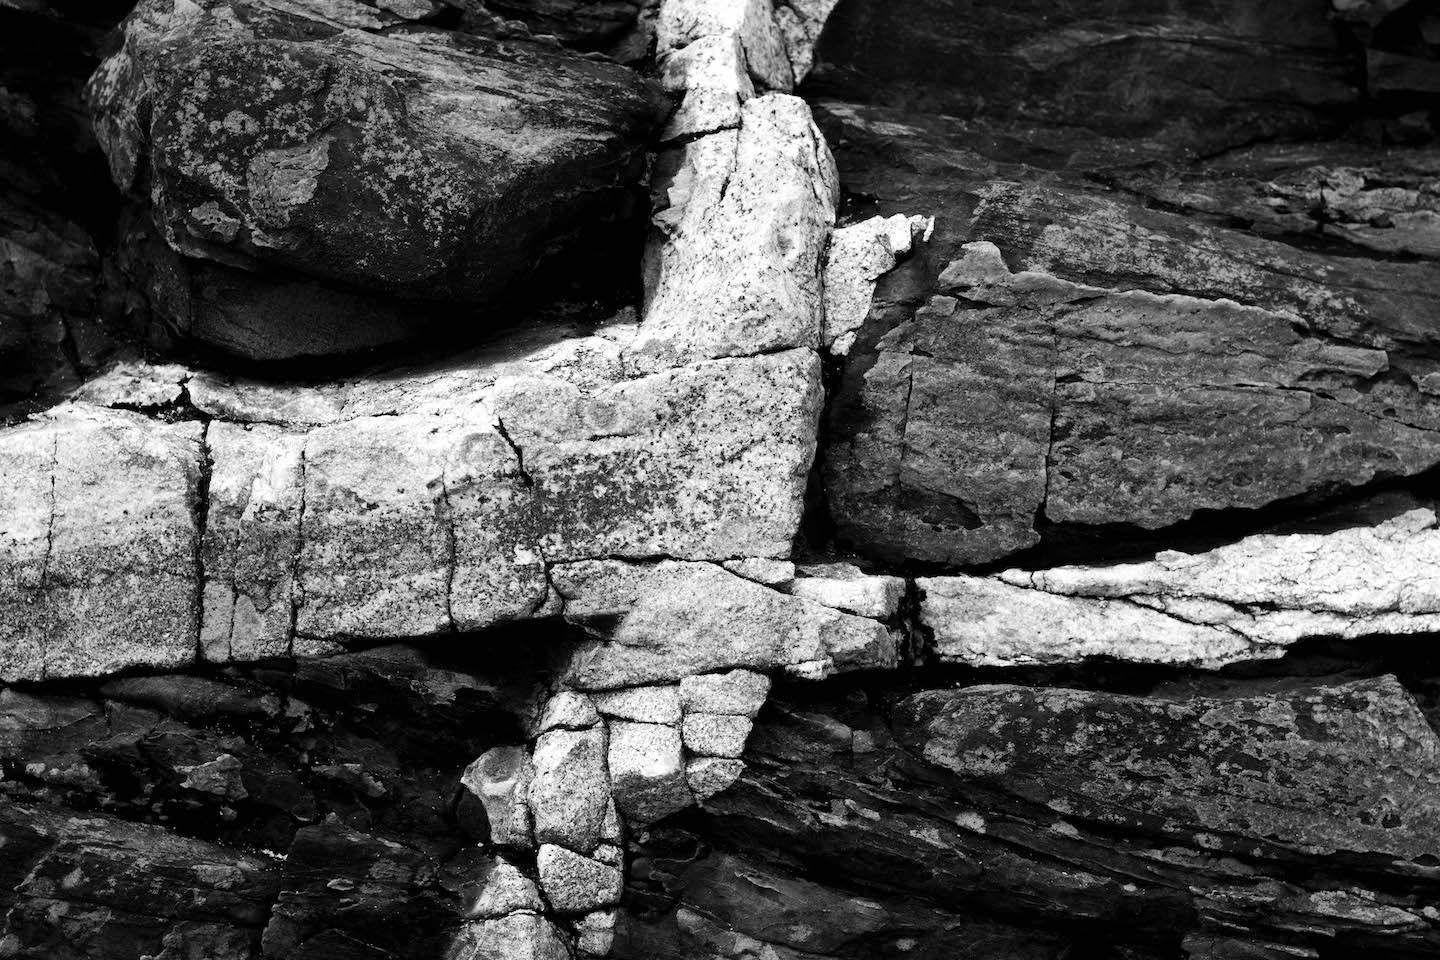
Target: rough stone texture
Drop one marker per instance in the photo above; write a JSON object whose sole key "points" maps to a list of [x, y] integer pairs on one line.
{"points": [[845, 586], [568, 710], [750, 23], [859, 255], [100, 523], [710, 735], [576, 884], [1090, 405], [645, 704], [497, 889], [466, 158], [710, 80], [708, 776], [500, 779], [1211, 79], [570, 792], [665, 636], [742, 219], [647, 771], [520, 936], [738, 693], [989, 828]]}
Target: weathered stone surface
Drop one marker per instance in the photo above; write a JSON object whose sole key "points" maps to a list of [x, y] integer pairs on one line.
{"points": [[742, 222], [800, 23], [647, 771], [570, 792], [737, 693], [576, 884], [710, 79], [252, 541], [568, 710], [1246, 600], [1000, 806], [645, 704], [468, 156], [336, 515], [708, 776], [845, 586], [750, 23], [76, 884], [690, 618], [596, 933], [497, 888], [520, 936], [859, 255], [501, 780], [1051, 400], [100, 539], [1347, 793], [711, 735], [1211, 80]]}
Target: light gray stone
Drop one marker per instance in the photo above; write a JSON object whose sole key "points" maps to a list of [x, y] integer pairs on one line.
{"points": [[98, 543], [499, 888], [751, 22], [577, 884], [858, 256], [252, 541], [691, 618], [708, 776], [1246, 600], [737, 269], [568, 710], [520, 936], [647, 771], [846, 587], [713, 735], [800, 23], [645, 704], [570, 792], [500, 779], [772, 573], [596, 932], [738, 693]]}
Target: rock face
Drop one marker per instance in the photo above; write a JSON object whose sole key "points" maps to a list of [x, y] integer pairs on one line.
{"points": [[1013, 536], [426, 164]]}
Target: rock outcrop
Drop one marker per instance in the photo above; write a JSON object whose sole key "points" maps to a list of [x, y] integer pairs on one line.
{"points": [[1010, 536], [426, 164]]}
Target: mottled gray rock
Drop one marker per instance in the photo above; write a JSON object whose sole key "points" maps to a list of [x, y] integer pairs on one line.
{"points": [[689, 618], [1360, 777], [743, 219], [645, 704], [845, 586], [576, 884], [647, 771], [858, 256], [570, 792], [596, 932], [800, 23], [501, 780], [1038, 396], [497, 889], [739, 693], [467, 156], [568, 710], [712, 735], [710, 79], [251, 545], [750, 23], [708, 776], [772, 573], [520, 936], [1246, 600], [99, 538]]}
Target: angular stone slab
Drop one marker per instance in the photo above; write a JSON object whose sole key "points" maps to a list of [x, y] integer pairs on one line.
{"points": [[424, 163], [1350, 767], [101, 540], [679, 619]]}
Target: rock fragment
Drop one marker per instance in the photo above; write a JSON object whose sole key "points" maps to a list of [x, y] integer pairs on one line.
{"points": [[500, 779], [577, 884], [647, 771], [737, 693], [712, 735], [570, 791]]}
